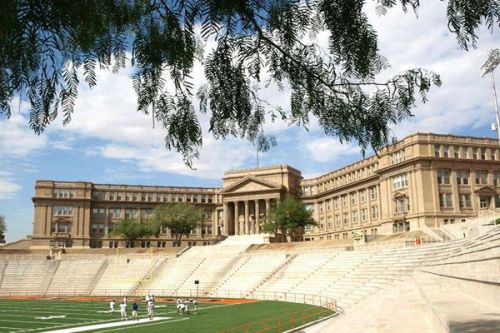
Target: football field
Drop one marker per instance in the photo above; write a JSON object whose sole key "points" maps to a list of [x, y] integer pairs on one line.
{"points": [[66, 316]]}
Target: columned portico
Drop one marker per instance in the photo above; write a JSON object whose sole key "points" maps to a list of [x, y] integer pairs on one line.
{"points": [[244, 217]]}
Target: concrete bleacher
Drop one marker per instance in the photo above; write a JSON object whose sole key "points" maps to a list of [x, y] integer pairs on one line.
{"points": [[70, 276], [28, 277], [249, 272], [451, 286], [122, 275], [210, 272], [454, 287]]}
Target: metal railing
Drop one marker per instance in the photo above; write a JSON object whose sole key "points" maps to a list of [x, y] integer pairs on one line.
{"points": [[317, 300]]}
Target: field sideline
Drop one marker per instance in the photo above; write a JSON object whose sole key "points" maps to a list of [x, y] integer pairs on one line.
{"points": [[35, 316]]}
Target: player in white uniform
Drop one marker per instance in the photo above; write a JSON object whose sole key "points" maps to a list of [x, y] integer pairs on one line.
{"points": [[150, 308], [112, 307], [181, 308], [123, 310]]}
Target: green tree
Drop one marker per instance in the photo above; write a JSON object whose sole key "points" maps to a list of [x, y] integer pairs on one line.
{"points": [[3, 228], [289, 218], [45, 45], [181, 219], [132, 230]]}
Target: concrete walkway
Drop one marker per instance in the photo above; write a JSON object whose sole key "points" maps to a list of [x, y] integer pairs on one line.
{"points": [[400, 310]]}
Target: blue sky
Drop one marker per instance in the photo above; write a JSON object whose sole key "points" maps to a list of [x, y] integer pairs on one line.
{"points": [[108, 141]]}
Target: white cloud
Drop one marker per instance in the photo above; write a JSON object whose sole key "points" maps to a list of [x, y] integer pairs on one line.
{"points": [[328, 149], [8, 188], [17, 139], [464, 99]]}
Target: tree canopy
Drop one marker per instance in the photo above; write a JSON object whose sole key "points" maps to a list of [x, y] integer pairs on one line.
{"points": [[289, 217], [132, 229], [181, 219], [3, 229], [48, 47]]}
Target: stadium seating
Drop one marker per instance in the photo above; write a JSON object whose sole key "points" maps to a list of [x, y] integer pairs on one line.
{"points": [[70, 276], [30, 277], [249, 272], [380, 285], [122, 275]]}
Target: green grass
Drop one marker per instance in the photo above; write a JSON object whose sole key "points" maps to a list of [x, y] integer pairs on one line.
{"points": [[19, 316]]}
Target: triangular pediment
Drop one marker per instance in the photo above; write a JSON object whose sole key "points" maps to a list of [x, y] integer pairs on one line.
{"points": [[486, 190], [250, 184], [398, 195]]}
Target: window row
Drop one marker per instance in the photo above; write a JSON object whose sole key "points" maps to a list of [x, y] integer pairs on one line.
{"points": [[98, 228], [63, 194], [353, 217], [132, 213], [465, 152], [353, 198], [340, 180], [152, 197], [463, 176]]}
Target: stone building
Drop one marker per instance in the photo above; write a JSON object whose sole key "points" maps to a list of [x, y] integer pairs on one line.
{"points": [[420, 182]]}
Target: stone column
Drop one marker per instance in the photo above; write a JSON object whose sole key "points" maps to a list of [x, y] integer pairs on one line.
{"points": [[246, 222], [225, 221], [257, 217], [236, 219], [268, 206]]}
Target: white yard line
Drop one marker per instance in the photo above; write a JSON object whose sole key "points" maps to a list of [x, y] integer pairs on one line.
{"points": [[160, 323], [108, 325]]}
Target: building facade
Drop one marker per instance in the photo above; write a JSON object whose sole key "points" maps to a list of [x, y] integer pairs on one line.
{"points": [[420, 182]]}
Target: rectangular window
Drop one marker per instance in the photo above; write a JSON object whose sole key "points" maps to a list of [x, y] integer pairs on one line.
{"points": [[364, 214], [402, 205], [98, 213], [437, 150], [445, 200], [354, 198], [98, 195], [474, 153], [345, 218], [62, 211], [481, 177], [463, 177], [483, 153], [400, 181], [97, 228], [337, 220], [354, 216], [455, 151], [373, 193], [465, 201], [397, 157], [374, 212], [443, 176], [115, 213], [446, 151], [484, 202], [496, 179], [362, 196], [64, 194], [464, 152], [146, 213], [130, 213], [344, 201]]}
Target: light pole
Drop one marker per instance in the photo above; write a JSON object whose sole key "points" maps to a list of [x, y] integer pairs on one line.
{"points": [[489, 67]]}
